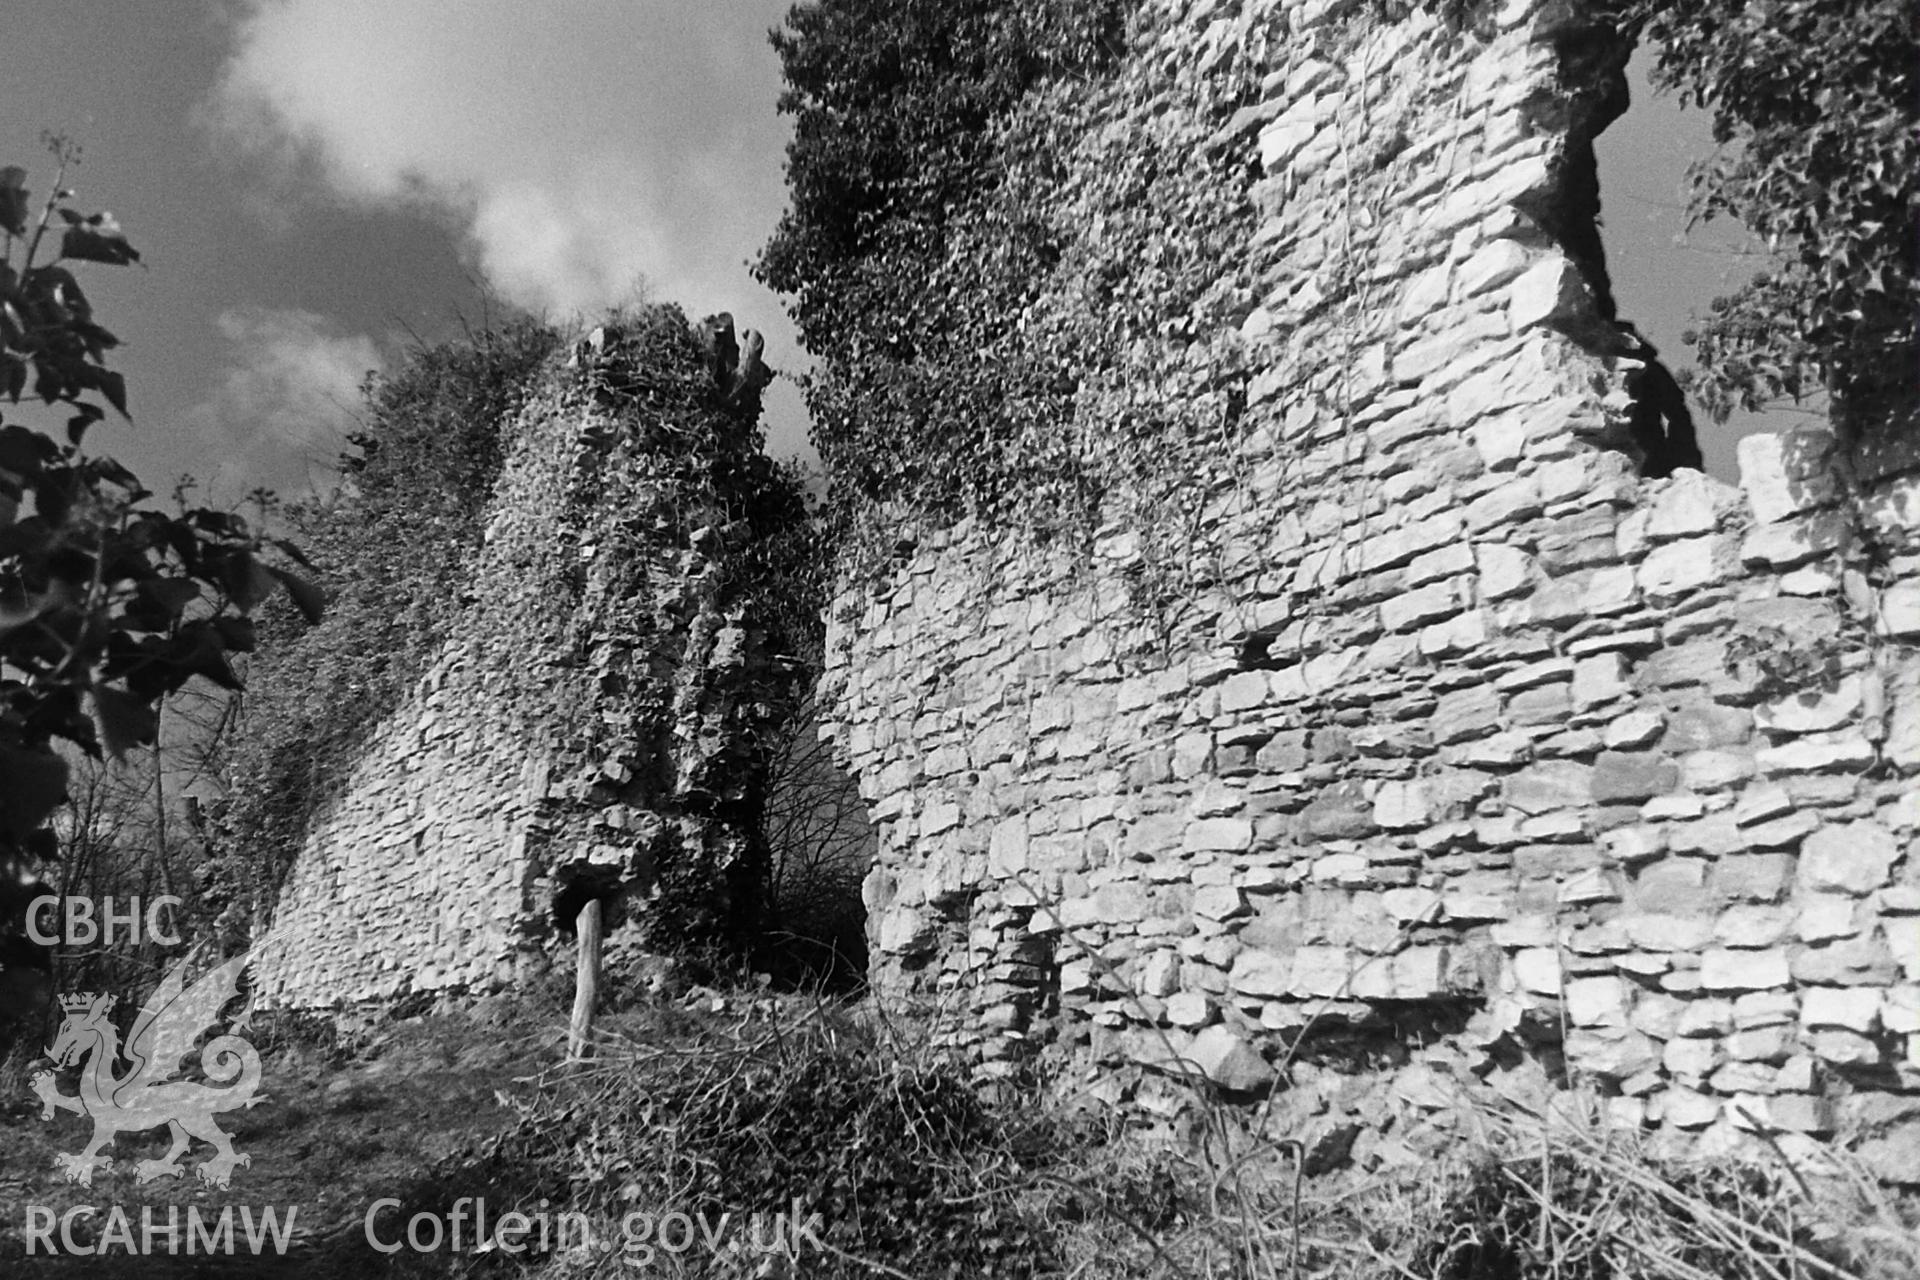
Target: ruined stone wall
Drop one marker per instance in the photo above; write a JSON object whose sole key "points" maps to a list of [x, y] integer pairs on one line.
{"points": [[1464, 750], [587, 730]]}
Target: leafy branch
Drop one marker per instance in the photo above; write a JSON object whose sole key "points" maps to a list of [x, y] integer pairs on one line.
{"points": [[108, 604]]}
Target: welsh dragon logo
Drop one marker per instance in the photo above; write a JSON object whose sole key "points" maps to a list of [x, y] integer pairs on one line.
{"points": [[147, 1094]]}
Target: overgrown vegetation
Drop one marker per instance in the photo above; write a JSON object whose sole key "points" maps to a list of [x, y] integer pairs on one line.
{"points": [[672, 466], [1005, 294], [707, 1107], [1813, 105], [109, 604], [393, 549]]}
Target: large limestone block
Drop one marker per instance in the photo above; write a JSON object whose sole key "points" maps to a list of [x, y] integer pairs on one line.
{"points": [[1788, 472]]}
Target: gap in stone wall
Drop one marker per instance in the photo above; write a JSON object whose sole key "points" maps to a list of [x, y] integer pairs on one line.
{"points": [[821, 844], [1663, 272]]}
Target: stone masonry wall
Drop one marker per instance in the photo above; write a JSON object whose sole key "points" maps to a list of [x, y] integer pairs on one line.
{"points": [[586, 730], [1469, 751]]}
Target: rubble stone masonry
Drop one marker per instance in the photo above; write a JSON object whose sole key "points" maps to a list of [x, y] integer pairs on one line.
{"points": [[1467, 745], [585, 731]]}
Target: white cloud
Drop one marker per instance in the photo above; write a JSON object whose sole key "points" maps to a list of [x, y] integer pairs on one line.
{"points": [[582, 145], [288, 396]]}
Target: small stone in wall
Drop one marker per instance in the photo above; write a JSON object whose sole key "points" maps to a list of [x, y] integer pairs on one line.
{"points": [[1688, 503], [1614, 1052], [1621, 776], [905, 932], [1189, 1009], [1551, 292], [1261, 973], [1794, 542], [1814, 710], [1537, 969], [1688, 1108], [1899, 613], [1340, 812], [1160, 976], [1550, 785], [1845, 1048], [1728, 970], [1847, 1008], [1593, 1002], [1825, 917], [1852, 858], [1225, 1058], [1817, 753]]}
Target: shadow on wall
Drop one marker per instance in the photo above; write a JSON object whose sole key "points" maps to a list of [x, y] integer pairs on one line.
{"points": [[821, 844]]}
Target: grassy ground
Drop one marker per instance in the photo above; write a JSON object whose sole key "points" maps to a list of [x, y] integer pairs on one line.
{"points": [[701, 1112], [344, 1124]]}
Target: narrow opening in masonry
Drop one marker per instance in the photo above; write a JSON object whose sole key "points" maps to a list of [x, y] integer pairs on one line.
{"points": [[1662, 274], [820, 845]]}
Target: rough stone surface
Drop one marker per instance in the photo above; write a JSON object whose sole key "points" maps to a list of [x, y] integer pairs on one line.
{"points": [[1225, 1058], [554, 752], [1466, 741], [1528, 740]]}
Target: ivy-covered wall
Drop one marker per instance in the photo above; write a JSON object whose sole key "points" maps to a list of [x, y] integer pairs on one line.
{"points": [[1413, 730], [592, 725]]}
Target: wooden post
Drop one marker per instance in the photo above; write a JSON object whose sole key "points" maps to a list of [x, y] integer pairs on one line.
{"points": [[586, 983]]}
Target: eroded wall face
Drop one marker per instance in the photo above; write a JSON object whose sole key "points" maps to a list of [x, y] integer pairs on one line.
{"points": [[588, 729], [1465, 749], [416, 879]]}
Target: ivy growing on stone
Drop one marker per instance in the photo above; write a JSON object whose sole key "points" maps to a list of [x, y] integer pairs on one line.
{"points": [[1024, 312], [911, 248], [392, 547]]}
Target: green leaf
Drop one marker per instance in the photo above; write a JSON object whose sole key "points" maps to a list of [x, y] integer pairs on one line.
{"points": [[96, 239], [24, 452], [293, 553], [108, 469], [125, 720], [306, 597], [13, 375], [171, 594], [18, 611], [247, 580], [114, 387], [15, 205], [77, 425], [32, 785], [235, 632]]}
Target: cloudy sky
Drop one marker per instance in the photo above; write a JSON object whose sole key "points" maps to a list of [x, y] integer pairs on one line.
{"points": [[316, 183]]}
